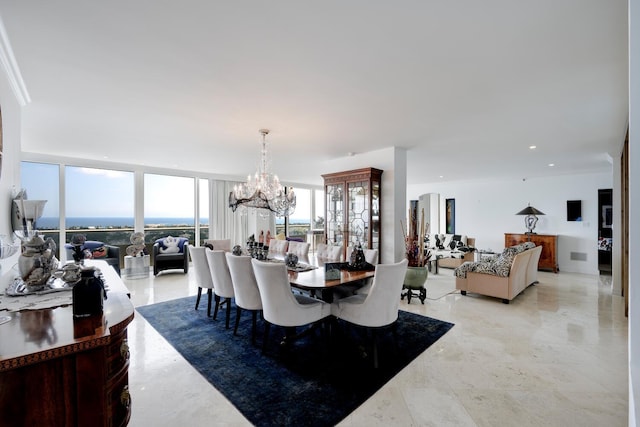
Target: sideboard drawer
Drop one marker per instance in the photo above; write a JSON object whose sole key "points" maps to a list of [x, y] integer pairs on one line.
{"points": [[119, 400]]}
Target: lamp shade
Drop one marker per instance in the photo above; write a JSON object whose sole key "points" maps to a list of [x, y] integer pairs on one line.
{"points": [[530, 210], [31, 210]]}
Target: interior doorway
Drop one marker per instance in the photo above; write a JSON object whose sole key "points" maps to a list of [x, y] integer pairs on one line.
{"points": [[605, 224]]}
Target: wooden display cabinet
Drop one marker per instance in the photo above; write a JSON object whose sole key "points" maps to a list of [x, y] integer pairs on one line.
{"points": [[549, 243], [352, 208]]}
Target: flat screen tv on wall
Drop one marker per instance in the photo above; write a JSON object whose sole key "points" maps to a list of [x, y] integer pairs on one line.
{"points": [[574, 210]]}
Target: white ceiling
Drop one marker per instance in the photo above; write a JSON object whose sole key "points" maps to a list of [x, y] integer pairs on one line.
{"points": [[464, 86]]}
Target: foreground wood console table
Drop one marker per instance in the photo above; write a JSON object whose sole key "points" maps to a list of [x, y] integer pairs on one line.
{"points": [[549, 243], [59, 371]]}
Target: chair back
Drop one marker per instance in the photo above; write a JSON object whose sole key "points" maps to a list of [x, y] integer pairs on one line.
{"points": [[222, 244], [245, 287], [371, 256], [280, 246], [322, 250], [380, 307], [222, 284], [201, 267], [334, 252], [279, 306], [299, 248]]}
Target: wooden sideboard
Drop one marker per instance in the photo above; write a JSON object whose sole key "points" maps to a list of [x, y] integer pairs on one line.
{"points": [[549, 243], [56, 370]]}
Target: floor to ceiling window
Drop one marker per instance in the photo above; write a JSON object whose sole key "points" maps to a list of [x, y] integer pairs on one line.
{"points": [[41, 182], [307, 216], [300, 220], [168, 207], [203, 214], [99, 203]]}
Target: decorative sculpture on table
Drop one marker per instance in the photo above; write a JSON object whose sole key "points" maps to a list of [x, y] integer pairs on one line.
{"points": [[77, 240], [358, 260], [137, 247], [37, 261], [291, 260]]}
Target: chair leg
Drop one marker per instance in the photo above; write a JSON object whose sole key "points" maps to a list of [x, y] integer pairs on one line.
{"points": [[228, 314], [235, 328], [254, 317], [215, 311], [209, 294], [198, 297], [265, 338]]}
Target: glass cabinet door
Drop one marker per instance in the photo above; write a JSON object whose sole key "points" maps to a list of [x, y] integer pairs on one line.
{"points": [[375, 215], [335, 213], [358, 223]]}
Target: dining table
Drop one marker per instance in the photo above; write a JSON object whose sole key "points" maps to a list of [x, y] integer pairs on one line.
{"points": [[314, 281]]}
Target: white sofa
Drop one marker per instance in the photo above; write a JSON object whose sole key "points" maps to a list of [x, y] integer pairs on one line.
{"points": [[505, 276], [448, 255]]}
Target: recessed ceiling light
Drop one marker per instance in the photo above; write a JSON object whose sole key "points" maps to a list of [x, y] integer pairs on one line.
{"points": [[351, 154], [551, 165], [441, 176], [532, 147]]}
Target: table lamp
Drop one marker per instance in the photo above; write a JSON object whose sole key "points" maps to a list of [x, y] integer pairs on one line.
{"points": [[531, 219], [27, 213]]}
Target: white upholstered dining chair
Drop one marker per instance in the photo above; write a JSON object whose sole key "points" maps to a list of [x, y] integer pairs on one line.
{"points": [[379, 307], [279, 305], [222, 284], [278, 246], [203, 275], [245, 289], [299, 248], [220, 244]]}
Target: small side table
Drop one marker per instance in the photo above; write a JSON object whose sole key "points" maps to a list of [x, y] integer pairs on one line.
{"points": [[136, 267], [433, 263]]}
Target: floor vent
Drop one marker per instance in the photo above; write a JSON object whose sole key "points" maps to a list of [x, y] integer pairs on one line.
{"points": [[578, 256]]}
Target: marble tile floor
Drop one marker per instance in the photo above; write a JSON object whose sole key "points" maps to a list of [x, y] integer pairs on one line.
{"points": [[556, 356]]}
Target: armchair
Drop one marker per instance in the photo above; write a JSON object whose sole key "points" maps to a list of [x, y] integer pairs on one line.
{"points": [[170, 253]]}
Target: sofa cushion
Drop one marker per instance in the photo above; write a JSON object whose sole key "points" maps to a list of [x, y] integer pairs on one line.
{"points": [[99, 252], [92, 245]]}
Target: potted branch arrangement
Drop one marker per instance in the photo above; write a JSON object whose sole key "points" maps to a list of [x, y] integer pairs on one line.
{"points": [[416, 254]]}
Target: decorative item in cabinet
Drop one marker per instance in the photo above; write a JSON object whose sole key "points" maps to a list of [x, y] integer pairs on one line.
{"points": [[352, 208], [549, 243]]}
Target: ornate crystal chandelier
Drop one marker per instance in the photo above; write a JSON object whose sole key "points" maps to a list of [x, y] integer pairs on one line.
{"points": [[263, 190]]}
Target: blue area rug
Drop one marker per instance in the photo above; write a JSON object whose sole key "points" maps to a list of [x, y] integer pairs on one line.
{"points": [[316, 381]]}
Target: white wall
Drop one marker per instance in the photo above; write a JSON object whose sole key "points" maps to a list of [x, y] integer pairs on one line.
{"points": [[634, 213], [10, 173], [486, 210]]}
